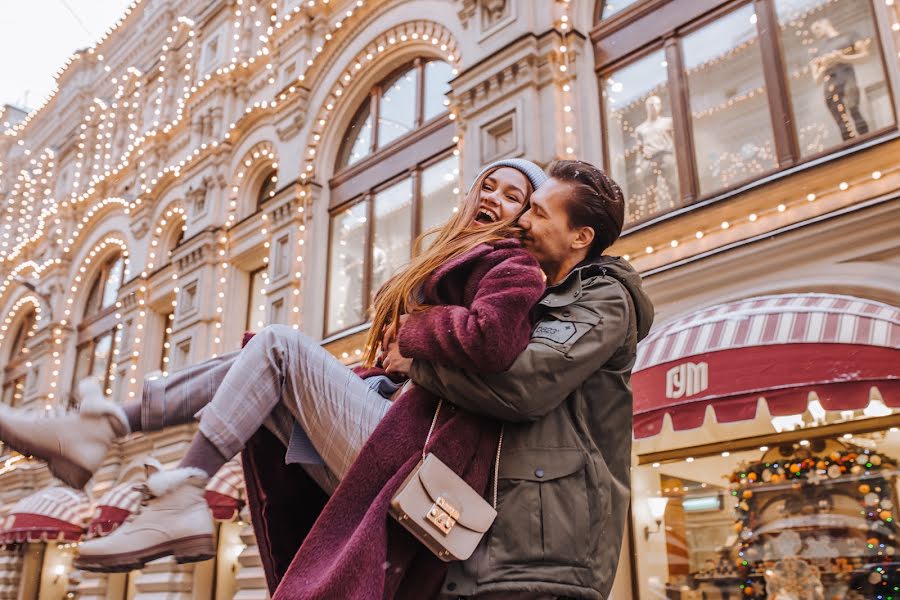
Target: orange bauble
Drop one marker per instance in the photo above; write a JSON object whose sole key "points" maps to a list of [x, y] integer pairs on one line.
{"points": [[864, 489]]}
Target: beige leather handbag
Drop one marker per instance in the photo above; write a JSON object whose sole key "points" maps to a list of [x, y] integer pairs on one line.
{"points": [[440, 509]]}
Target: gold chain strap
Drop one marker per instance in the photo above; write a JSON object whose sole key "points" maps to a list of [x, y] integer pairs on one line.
{"points": [[437, 412]]}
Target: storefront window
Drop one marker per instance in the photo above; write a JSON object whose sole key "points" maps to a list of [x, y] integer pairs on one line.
{"points": [[807, 519], [730, 118], [641, 137], [835, 71], [347, 266], [393, 223], [256, 301], [440, 192], [385, 244]]}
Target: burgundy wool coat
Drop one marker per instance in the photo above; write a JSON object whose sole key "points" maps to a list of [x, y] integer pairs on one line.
{"points": [[347, 547]]}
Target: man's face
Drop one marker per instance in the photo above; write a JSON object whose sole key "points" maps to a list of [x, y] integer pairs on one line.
{"points": [[548, 235]]}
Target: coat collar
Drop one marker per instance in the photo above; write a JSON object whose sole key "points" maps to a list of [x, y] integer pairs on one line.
{"points": [[479, 251]]}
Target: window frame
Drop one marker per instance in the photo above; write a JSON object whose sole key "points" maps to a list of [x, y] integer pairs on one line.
{"points": [[97, 322], [619, 42], [16, 371], [374, 102], [415, 174]]}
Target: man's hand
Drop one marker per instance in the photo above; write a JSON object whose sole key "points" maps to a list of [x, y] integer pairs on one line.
{"points": [[394, 362]]}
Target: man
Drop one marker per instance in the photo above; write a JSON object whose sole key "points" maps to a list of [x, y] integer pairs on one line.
{"points": [[565, 403]]}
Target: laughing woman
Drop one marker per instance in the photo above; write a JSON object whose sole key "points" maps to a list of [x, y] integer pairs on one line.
{"points": [[463, 302]]}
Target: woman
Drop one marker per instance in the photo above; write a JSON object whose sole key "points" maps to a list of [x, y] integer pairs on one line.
{"points": [[282, 377]]}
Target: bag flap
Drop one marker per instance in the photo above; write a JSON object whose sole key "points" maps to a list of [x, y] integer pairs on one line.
{"points": [[540, 464], [440, 481]]}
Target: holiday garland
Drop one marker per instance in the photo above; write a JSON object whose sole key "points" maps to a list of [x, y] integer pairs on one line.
{"points": [[872, 489]]}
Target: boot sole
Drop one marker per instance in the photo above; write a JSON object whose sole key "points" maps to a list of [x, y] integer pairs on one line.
{"points": [[185, 550]]}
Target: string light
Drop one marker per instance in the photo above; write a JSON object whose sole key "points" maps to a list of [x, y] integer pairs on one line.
{"points": [[757, 216], [563, 78]]}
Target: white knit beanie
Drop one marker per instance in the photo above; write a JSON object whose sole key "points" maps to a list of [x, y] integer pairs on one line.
{"points": [[534, 173]]}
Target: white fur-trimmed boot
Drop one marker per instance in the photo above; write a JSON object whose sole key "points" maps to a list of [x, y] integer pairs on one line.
{"points": [[174, 520], [73, 445]]}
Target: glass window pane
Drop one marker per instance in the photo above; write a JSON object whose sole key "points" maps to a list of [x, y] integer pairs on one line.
{"points": [[641, 137], [357, 138], [732, 127], [815, 516], [102, 352], [345, 268], [437, 86], [267, 188], [256, 309], [440, 192], [835, 72], [393, 226], [611, 7], [397, 108], [113, 283]]}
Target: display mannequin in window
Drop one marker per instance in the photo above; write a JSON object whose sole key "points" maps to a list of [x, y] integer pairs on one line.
{"points": [[833, 68], [656, 153]]}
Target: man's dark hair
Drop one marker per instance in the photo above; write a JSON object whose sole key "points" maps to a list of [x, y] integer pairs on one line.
{"points": [[597, 203]]}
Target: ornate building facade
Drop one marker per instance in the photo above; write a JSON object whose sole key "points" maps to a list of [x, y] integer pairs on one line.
{"points": [[211, 167]]}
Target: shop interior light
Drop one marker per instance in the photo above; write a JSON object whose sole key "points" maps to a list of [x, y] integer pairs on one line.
{"points": [[657, 508], [702, 503]]}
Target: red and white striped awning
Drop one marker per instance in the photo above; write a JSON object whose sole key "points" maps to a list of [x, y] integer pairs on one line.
{"points": [[224, 492], [779, 348], [114, 507], [56, 513]]}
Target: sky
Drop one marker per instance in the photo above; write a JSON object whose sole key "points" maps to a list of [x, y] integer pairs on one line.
{"points": [[36, 38]]}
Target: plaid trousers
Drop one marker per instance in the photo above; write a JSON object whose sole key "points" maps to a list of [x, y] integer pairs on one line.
{"points": [[279, 378]]}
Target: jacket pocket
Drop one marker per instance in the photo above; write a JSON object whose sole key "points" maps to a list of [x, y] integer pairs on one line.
{"points": [[561, 327], [543, 512]]}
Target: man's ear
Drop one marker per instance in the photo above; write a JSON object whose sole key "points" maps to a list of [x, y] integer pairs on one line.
{"points": [[584, 237]]}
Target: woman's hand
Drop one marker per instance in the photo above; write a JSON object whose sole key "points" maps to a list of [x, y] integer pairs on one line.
{"points": [[395, 363], [390, 334]]}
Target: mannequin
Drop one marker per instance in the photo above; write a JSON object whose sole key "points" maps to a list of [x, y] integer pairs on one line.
{"points": [[656, 153], [834, 69]]}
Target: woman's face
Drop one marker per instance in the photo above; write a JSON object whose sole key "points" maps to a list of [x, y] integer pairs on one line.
{"points": [[504, 193]]}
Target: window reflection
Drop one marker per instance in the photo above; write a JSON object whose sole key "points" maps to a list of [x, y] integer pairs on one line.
{"points": [[256, 303], [440, 192], [360, 132], [397, 108], [834, 71], [611, 7], [393, 222], [731, 123], [641, 137], [345, 269], [814, 516], [437, 86], [113, 282]]}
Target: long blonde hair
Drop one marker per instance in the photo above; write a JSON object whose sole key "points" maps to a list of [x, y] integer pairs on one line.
{"points": [[398, 296]]}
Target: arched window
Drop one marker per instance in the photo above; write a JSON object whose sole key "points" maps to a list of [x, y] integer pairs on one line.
{"points": [[97, 330], [15, 373], [399, 104], [267, 187], [397, 176]]}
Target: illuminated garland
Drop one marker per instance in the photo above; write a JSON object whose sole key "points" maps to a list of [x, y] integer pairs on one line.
{"points": [[872, 490]]}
